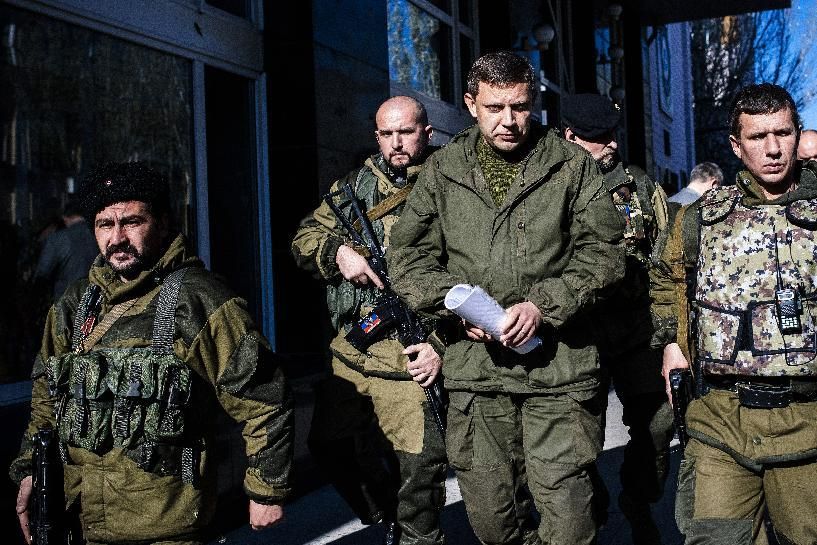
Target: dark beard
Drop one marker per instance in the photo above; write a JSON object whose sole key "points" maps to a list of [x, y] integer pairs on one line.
{"points": [[131, 271], [609, 164]]}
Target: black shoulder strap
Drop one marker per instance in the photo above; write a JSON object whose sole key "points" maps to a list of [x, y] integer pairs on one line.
{"points": [[164, 324]]}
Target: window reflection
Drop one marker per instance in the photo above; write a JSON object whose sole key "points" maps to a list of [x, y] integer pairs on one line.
{"points": [[419, 50], [71, 98]]}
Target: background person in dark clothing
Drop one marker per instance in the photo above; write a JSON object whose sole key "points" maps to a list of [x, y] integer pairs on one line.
{"points": [[68, 253]]}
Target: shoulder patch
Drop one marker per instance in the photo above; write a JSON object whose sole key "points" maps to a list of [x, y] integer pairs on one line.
{"points": [[716, 205], [803, 213]]}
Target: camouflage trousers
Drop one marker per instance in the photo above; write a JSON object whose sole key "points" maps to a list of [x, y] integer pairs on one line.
{"points": [[722, 501], [377, 442], [512, 452]]}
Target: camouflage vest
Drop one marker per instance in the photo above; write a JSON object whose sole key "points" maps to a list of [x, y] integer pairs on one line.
{"points": [[137, 399], [742, 248], [346, 302]]}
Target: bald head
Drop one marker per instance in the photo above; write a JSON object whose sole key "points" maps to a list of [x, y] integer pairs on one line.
{"points": [[402, 131], [807, 149]]}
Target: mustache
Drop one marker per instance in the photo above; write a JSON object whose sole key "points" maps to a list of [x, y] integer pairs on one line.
{"points": [[124, 247]]}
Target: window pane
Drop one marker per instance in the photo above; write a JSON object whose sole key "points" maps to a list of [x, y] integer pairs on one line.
{"points": [[231, 183], [71, 98], [604, 76], [467, 12], [419, 50]]}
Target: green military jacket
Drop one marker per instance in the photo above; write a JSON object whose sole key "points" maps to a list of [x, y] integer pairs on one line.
{"points": [[555, 241], [231, 370], [624, 320], [316, 244]]}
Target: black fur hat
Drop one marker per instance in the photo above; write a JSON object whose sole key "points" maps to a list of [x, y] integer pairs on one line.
{"points": [[119, 182]]}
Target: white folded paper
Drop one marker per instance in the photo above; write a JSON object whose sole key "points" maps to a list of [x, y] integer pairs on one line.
{"points": [[482, 310]]}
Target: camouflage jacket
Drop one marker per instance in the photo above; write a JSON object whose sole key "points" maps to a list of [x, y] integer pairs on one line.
{"points": [[715, 304], [231, 369], [624, 320], [555, 241], [316, 244]]}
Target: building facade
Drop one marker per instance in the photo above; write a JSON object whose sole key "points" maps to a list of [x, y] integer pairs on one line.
{"points": [[252, 108]]}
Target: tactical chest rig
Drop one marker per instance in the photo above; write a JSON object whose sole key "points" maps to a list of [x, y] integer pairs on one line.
{"points": [[747, 254], [136, 399], [344, 300]]}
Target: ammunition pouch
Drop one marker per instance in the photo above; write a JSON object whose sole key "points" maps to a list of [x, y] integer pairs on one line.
{"points": [[132, 399]]}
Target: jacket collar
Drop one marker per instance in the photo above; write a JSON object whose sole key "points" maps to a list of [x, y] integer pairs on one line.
{"points": [[387, 182], [458, 161], [177, 255], [617, 177], [753, 192]]}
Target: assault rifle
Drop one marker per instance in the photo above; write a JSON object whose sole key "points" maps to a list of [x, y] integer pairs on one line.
{"points": [[390, 313], [48, 520], [680, 382]]}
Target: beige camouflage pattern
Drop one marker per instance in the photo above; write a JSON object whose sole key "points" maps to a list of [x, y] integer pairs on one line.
{"points": [[737, 325]]}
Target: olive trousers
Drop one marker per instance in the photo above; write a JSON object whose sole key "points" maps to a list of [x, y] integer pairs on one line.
{"points": [[513, 451], [744, 464], [377, 441]]}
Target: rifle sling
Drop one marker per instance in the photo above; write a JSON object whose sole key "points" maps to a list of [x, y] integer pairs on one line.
{"points": [[386, 205], [105, 324]]}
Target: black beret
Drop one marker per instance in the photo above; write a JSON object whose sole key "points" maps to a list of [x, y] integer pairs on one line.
{"points": [[120, 182], [590, 115]]}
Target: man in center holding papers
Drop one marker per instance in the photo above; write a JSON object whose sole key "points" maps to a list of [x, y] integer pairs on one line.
{"points": [[509, 206]]}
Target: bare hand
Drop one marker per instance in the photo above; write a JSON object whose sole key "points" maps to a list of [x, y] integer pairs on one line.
{"points": [[521, 323], [476, 334], [263, 516], [673, 359], [23, 497], [425, 368], [355, 268]]}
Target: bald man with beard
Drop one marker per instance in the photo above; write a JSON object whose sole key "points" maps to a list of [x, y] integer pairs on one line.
{"points": [[370, 410]]}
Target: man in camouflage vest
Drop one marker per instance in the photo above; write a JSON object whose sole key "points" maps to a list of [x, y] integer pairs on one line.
{"points": [[739, 275], [376, 398], [135, 361], [624, 323]]}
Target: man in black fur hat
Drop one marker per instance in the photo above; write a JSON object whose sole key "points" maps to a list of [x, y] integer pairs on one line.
{"points": [[135, 361]]}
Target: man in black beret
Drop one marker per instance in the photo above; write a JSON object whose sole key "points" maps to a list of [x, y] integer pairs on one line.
{"points": [[136, 359], [624, 323]]}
